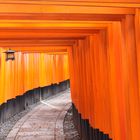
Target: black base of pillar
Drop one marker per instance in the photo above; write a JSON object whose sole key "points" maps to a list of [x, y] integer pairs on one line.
{"points": [[20, 103], [85, 130]]}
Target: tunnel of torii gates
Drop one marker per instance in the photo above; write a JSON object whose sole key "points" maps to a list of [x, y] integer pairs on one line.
{"points": [[94, 43]]}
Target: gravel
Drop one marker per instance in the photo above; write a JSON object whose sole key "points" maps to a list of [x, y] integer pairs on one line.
{"points": [[6, 127], [69, 129]]}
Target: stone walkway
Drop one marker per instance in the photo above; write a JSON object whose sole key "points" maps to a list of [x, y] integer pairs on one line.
{"points": [[45, 121]]}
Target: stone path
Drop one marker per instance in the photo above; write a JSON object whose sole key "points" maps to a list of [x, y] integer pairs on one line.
{"points": [[45, 121]]}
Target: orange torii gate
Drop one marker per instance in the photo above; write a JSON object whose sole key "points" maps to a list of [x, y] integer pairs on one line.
{"points": [[103, 43]]}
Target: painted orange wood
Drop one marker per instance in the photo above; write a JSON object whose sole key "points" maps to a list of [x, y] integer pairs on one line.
{"points": [[30, 71], [104, 80], [102, 39]]}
